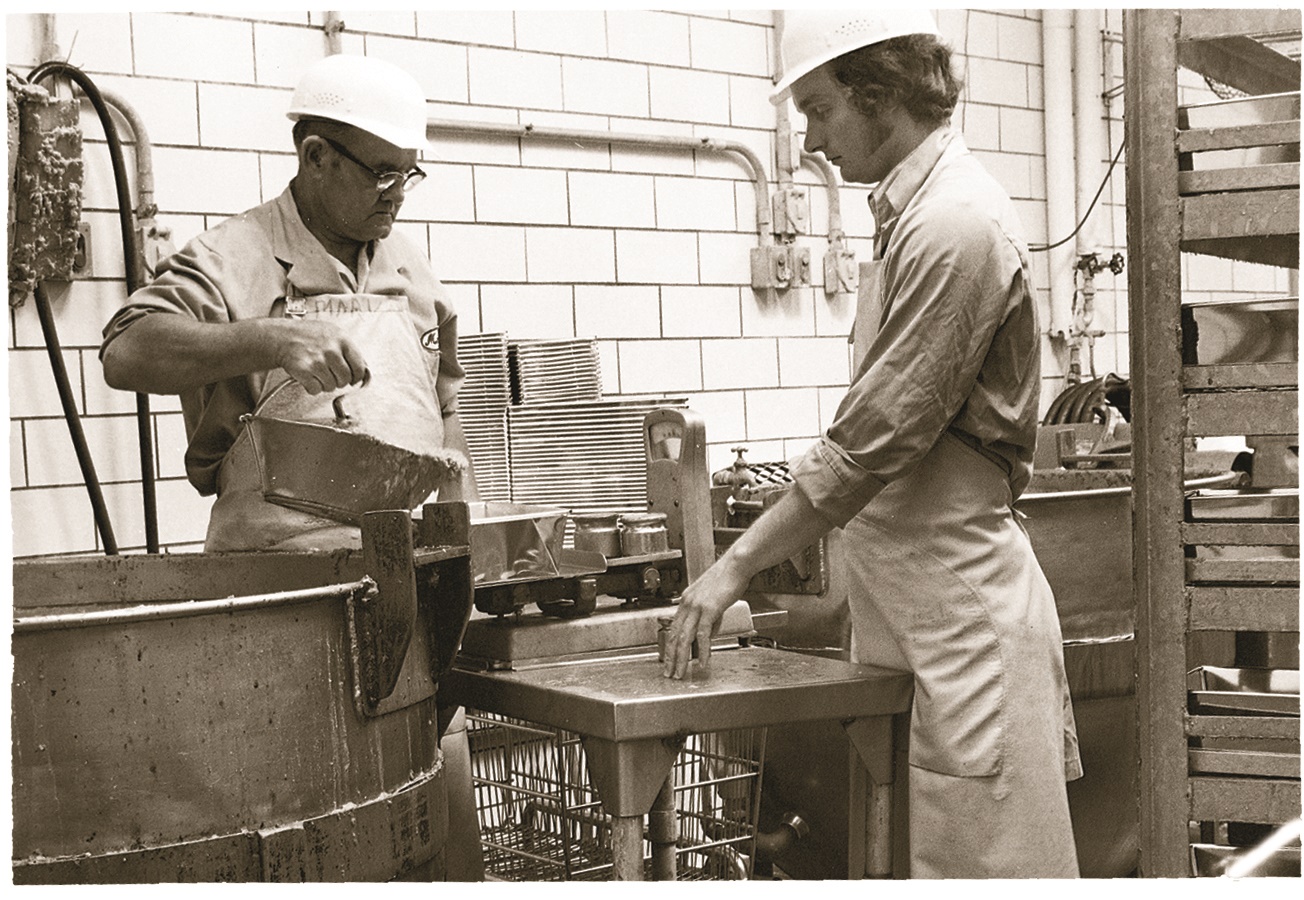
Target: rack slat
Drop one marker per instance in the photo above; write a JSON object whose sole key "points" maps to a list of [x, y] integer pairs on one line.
{"points": [[1239, 215], [1273, 727], [1266, 800], [1236, 137], [1248, 375], [1228, 608], [1245, 571], [1242, 413], [1206, 24], [1241, 178], [1245, 534]]}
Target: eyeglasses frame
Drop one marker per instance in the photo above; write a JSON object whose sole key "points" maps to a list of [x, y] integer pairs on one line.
{"points": [[404, 178]]}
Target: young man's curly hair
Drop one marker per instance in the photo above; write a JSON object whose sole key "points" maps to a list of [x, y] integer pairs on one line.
{"points": [[914, 71]]}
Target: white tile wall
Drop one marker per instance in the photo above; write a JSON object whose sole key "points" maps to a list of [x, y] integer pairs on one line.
{"points": [[509, 78], [650, 367], [617, 311], [691, 311], [485, 27], [570, 255], [528, 310], [575, 33], [194, 47], [526, 196], [655, 257], [601, 86], [606, 198], [645, 249], [646, 36]]}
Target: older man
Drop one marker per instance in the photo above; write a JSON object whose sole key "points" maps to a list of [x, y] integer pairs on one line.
{"points": [[283, 306]]}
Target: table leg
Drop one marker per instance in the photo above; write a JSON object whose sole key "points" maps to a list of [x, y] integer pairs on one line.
{"points": [[872, 738], [663, 831], [627, 848]]}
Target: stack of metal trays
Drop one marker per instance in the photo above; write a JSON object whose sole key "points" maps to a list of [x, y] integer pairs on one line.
{"points": [[1218, 691], [556, 371], [1241, 332], [586, 457], [483, 403]]}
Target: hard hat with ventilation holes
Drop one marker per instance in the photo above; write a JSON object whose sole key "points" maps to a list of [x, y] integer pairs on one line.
{"points": [[366, 93], [813, 37]]}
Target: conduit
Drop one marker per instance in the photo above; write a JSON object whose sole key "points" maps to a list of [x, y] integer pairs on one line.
{"points": [[1057, 85], [1088, 88], [764, 222], [131, 253]]}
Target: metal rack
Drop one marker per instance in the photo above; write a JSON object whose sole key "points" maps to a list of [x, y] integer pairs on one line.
{"points": [[541, 818], [1242, 212]]}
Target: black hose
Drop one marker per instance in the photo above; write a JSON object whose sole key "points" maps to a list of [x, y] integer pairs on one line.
{"points": [[74, 423], [131, 254]]}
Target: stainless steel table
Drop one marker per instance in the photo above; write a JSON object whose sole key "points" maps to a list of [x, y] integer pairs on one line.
{"points": [[632, 722]]}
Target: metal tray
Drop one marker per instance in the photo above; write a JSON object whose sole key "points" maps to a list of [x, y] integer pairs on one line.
{"points": [[1213, 690], [1257, 504], [1213, 860], [1240, 332], [513, 542]]}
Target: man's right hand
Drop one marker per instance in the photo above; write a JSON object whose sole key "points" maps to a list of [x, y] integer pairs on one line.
{"points": [[318, 355]]}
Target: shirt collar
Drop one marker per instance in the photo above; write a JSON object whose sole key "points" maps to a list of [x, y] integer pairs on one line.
{"points": [[315, 270], [890, 196]]}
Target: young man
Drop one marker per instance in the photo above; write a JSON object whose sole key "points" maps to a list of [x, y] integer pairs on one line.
{"points": [[928, 452]]}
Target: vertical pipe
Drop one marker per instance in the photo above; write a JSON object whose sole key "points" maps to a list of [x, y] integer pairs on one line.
{"points": [[1088, 117], [1057, 50]]}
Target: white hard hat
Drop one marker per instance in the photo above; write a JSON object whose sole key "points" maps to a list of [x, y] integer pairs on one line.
{"points": [[367, 93], [812, 37]]}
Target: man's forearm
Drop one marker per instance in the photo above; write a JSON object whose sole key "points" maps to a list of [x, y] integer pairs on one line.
{"points": [[165, 353], [787, 528]]}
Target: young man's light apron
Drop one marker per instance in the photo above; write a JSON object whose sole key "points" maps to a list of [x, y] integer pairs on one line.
{"points": [[943, 583], [398, 406]]}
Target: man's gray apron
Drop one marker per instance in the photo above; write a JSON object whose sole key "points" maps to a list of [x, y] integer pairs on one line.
{"points": [[943, 583], [398, 406]]}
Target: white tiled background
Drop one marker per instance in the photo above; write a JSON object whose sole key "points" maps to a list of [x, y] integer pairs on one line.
{"points": [[644, 249]]}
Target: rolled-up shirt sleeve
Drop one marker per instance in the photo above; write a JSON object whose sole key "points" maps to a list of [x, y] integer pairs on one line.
{"points": [[949, 279]]}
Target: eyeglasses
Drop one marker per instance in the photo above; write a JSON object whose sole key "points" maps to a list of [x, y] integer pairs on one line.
{"points": [[384, 180]]}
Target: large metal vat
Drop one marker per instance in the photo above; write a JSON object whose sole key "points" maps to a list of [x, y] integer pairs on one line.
{"points": [[232, 717]]}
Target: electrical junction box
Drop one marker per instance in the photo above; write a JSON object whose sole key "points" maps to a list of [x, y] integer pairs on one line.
{"points": [[780, 266], [46, 234], [841, 274], [791, 210]]}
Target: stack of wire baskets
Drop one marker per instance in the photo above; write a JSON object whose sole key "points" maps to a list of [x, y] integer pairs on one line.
{"points": [[542, 820]]}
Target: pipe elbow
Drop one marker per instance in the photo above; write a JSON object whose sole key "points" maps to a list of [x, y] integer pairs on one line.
{"points": [[772, 844]]}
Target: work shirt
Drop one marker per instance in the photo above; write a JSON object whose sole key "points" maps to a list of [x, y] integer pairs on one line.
{"points": [[244, 268], [958, 346]]}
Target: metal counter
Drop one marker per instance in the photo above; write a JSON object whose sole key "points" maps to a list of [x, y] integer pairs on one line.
{"points": [[632, 722]]}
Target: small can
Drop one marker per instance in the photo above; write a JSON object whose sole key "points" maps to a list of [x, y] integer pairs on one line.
{"points": [[599, 532], [643, 533]]}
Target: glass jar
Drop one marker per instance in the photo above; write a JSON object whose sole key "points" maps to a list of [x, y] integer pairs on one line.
{"points": [[643, 533], [598, 532]]}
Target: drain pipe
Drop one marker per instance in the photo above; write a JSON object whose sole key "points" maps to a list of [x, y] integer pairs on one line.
{"points": [[1057, 84], [333, 25], [764, 223], [1088, 90]]}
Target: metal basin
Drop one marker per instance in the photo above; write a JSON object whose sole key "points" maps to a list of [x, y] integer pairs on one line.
{"points": [[212, 735]]}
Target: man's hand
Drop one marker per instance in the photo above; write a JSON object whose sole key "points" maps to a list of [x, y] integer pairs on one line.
{"points": [[698, 616], [318, 355]]}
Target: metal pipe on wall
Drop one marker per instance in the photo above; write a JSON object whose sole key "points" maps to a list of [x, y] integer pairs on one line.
{"points": [[1088, 117], [764, 222], [1057, 84]]}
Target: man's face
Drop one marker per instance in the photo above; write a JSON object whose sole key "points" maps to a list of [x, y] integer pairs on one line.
{"points": [[349, 199], [860, 146]]}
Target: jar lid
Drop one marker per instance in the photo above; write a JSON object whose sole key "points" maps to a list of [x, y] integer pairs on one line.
{"points": [[595, 518], [644, 519]]}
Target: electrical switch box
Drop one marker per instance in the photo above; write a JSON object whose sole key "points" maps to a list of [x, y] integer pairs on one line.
{"points": [[841, 274], [46, 234], [780, 266], [791, 209]]}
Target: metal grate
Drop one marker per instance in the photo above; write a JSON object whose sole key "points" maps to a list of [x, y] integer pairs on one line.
{"points": [[541, 819]]}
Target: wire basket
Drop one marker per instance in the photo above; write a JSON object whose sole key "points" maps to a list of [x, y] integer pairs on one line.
{"points": [[542, 820]]}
